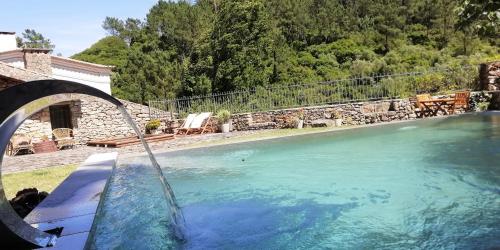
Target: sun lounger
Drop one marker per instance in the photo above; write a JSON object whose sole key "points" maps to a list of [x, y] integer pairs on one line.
{"points": [[187, 123], [200, 123]]}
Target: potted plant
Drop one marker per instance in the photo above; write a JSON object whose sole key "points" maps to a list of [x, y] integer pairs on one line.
{"points": [[224, 116], [152, 126], [337, 116], [300, 119]]}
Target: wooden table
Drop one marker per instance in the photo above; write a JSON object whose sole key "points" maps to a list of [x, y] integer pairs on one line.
{"points": [[44, 147], [435, 105]]}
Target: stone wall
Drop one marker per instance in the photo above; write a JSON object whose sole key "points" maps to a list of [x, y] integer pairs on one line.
{"points": [[352, 114], [92, 118], [98, 119], [489, 75], [38, 125]]}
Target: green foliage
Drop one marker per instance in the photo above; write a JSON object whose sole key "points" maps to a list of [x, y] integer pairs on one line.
{"points": [[480, 101], [110, 50], [201, 47], [153, 124], [223, 116], [143, 77], [483, 14], [33, 39], [240, 44]]}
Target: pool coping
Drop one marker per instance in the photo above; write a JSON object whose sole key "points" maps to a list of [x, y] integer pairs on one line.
{"points": [[75, 203], [331, 130]]}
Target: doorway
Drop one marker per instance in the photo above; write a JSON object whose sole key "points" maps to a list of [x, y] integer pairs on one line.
{"points": [[60, 116]]}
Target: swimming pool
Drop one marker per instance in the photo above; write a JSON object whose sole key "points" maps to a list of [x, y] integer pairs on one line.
{"points": [[423, 184]]}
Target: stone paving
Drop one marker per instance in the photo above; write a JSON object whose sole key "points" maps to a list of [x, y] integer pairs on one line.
{"points": [[77, 155]]}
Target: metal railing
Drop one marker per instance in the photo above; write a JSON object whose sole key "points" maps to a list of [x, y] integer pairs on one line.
{"points": [[354, 89]]}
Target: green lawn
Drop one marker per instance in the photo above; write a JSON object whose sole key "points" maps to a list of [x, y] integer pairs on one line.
{"points": [[43, 179]]}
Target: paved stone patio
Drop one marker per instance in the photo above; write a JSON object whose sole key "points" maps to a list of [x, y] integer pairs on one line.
{"points": [[20, 163]]}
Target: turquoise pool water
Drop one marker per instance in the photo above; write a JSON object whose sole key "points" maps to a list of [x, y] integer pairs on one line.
{"points": [[432, 184]]}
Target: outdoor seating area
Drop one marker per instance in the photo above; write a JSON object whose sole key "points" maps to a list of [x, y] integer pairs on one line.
{"points": [[18, 143], [25, 143], [427, 106], [192, 125]]}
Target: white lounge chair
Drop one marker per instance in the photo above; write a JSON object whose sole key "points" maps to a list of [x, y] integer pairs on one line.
{"points": [[187, 123], [200, 122]]}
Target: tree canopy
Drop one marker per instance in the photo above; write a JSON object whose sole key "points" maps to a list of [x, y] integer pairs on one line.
{"points": [[110, 50], [33, 39], [184, 48]]}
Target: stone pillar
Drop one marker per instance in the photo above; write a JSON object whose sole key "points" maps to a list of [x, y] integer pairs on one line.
{"points": [[38, 60], [489, 76], [483, 76]]}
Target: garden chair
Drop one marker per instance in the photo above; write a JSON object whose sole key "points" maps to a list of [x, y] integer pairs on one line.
{"points": [[63, 137], [461, 101], [421, 109], [200, 123], [185, 126], [19, 142]]}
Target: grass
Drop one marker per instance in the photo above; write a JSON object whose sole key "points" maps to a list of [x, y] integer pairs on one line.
{"points": [[46, 179]]}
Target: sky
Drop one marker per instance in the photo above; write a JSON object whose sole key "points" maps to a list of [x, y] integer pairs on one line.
{"points": [[72, 25]]}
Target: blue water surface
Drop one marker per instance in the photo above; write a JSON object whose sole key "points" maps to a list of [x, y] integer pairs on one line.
{"points": [[432, 184]]}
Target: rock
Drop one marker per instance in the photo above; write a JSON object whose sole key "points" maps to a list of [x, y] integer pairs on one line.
{"points": [[26, 200]]}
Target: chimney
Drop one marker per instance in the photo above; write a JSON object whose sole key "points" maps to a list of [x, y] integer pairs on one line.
{"points": [[38, 60], [7, 41]]}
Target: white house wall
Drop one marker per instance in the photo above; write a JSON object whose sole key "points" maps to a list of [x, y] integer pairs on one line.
{"points": [[101, 82]]}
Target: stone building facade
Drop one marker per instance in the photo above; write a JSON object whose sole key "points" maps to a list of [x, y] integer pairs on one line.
{"points": [[89, 117]]}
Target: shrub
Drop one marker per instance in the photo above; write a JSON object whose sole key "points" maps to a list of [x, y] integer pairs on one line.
{"points": [[480, 101], [223, 116], [153, 124]]}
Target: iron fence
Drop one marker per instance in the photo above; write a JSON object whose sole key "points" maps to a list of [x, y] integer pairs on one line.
{"points": [[354, 89]]}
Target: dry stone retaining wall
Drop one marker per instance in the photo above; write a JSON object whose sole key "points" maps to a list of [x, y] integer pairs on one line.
{"points": [[99, 119], [352, 114]]}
